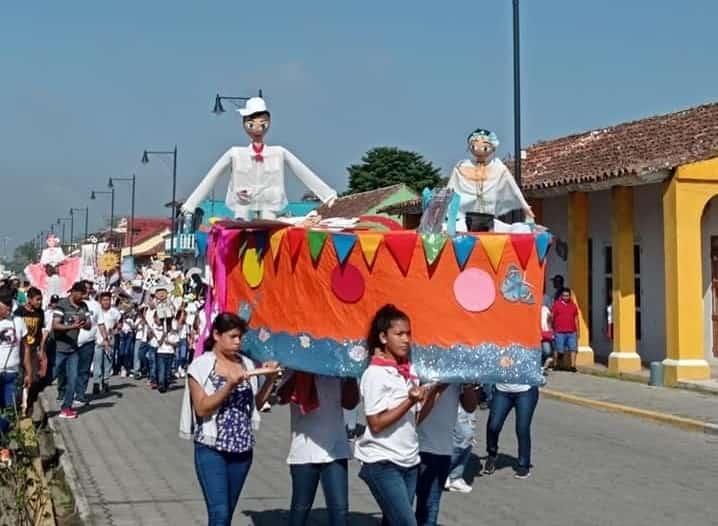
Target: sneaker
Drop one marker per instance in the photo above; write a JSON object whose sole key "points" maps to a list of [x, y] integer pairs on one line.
{"points": [[573, 369], [123, 372], [489, 466], [95, 389], [153, 386], [458, 486], [68, 413], [522, 473], [549, 363], [77, 404], [162, 389], [266, 408], [105, 388]]}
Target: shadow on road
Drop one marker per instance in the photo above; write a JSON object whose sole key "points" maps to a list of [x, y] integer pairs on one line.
{"points": [[318, 516], [474, 466]]}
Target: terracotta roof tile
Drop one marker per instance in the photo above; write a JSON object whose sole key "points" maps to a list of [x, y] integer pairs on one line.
{"points": [[355, 205]]}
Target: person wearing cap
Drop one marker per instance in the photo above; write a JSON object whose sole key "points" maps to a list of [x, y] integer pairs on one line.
{"points": [[256, 186], [485, 186]]}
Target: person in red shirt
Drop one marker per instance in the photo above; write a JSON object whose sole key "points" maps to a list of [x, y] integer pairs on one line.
{"points": [[564, 315]]}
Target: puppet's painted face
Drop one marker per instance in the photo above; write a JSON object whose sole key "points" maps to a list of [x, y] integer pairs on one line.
{"points": [[52, 241], [257, 126], [482, 149]]}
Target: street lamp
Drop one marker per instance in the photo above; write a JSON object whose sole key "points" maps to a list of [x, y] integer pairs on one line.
{"points": [[87, 215], [111, 193], [61, 221], [219, 108], [517, 97], [173, 153], [130, 180]]}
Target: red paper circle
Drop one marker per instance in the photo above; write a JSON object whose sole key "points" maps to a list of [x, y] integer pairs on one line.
{"points": [[347, 283]]}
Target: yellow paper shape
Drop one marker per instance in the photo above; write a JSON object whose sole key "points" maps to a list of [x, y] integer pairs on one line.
{"points": [[252, 268], [276, 242], [369, 242], [494, 247]]}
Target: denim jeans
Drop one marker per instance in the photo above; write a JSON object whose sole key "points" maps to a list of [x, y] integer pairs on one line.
{"points": [[393, 488], [152, 363], [8, 389], [85, 355], [67, 366], [139, 364], [102, 370], [182, 354], [221, 476], [459, 459], [335, 485], [525, 404], [126, 350], [433, 471], [164, 369]]}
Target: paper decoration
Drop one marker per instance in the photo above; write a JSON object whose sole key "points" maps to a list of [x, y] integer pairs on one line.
{"points": [[515, 289], [463, 247], [433, 244], [108, 262], [474, 290], [253, 267], [275, 242], [369, 242], [316, 240], [523, 246], [543, 242], [401, 245], [347, 283], [261, 238], [296, 238], [494, 247], [343, 245]]}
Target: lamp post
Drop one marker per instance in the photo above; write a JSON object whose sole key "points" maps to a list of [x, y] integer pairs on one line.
{"points": [[517, 97], [61, 221], [111, 193], [130, 180], [219, 108], [87, 215], [173, 153]]}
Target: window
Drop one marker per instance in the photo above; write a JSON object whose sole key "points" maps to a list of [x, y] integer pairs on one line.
{"points": [[608, 277]]}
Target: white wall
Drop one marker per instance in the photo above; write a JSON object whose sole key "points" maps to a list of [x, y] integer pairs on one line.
{"points": [[555, 217], [709, 227]]}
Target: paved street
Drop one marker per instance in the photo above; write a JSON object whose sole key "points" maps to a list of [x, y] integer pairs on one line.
{"points": [[591, 468]]}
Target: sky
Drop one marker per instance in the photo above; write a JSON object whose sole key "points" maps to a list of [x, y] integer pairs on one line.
{"points": [[86, 86]]}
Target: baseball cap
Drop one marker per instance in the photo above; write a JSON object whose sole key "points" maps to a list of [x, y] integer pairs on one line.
{"points": [[79, 286], [54, 298]]}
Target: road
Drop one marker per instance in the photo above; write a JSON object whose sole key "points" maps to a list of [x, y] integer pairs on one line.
{"points": [[591, 468]]}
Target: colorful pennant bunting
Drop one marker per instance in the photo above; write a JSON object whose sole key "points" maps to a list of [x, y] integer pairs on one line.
{"points": [[343, 245], [543, 242], [275, 242], [523, 246], [494, 247], [401, 245], [316, 240], [369, 242], [433, 244], [463, 247], [296, 238]]}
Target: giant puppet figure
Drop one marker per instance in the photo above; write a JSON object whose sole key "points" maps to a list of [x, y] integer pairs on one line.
{"points": [[485, 186], [55, 273], [256, 185]]}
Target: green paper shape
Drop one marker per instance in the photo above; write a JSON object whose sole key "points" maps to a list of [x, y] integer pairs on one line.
{"points": [[316, 240], [433, 245]]}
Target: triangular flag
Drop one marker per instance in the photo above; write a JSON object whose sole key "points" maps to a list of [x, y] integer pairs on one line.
{"points": [[523, 246], [275, 242], [343, 245], [463, 247], [296, 238], [494, 247], [433, 244], [260, 242], [401, 245], [316, 240], [543, 242], [369, 242]]}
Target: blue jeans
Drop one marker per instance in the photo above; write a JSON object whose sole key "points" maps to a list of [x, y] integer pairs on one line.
{"points": [[182, 354], [393, 488], [335, 485], [525, 404], [459, 458], [126, 350], [8, 390], [152, 363], [84, 361], [221, 476], [66, 366], [140, 357], [102, 371], [433, 471], [164, 369]]}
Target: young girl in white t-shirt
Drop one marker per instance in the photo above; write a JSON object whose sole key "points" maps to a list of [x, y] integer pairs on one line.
{"points": [[389, 447]]}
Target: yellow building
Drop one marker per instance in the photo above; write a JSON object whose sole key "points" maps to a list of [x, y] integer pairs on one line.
{"points": [[633, 210]]}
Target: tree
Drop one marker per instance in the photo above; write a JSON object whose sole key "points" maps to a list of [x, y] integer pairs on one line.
{"points": [[385, 166], [24, 255]]}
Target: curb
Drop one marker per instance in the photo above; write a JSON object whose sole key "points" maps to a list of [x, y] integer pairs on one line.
{"points": [[81, 503], [688, 424]]}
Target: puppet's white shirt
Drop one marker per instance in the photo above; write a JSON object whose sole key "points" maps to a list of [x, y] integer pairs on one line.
{"points": [[263, 181]]}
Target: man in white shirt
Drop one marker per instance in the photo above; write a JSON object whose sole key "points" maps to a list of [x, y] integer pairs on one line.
{"points": [[256, 186], [86, 342], [107, 322], [12, 338]]}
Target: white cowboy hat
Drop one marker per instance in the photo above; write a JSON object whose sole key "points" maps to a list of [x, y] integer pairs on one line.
{"points": [[254, 105]]}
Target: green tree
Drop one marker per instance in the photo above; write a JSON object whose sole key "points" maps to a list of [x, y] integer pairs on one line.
{"points": [[24, 255], [385, 166]]}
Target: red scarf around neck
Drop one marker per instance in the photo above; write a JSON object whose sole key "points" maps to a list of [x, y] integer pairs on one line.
{"points": [[404, 369], [258, 149]]}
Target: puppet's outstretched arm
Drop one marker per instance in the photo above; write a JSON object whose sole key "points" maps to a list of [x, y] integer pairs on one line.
{"points": [[311, 180], [209, 181]]}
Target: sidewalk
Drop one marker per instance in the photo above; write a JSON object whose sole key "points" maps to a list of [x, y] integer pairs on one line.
{"points": [[679, 407]]}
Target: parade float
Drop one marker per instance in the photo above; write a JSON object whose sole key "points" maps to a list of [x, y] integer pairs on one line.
{"points": [[55, 273]]}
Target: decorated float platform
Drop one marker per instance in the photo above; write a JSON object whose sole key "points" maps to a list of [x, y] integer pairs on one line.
{"points": [[309, 295]]}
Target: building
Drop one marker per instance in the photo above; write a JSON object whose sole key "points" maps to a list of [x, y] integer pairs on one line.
{"points": [[633, 210], [149, 238], [367, 203]]}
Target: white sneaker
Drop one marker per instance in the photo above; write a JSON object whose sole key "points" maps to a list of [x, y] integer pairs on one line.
{"points": [[182, 373], [458, 486], [123, 372]]}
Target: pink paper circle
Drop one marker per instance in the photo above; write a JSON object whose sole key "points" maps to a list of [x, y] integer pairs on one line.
{"points": [[474, 289], [347, 283]]}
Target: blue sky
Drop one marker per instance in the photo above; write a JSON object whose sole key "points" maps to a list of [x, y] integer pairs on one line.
{"points": [[86, 86]]}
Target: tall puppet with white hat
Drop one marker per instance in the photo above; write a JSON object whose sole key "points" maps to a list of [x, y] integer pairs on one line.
{"points": [[256, 186]]}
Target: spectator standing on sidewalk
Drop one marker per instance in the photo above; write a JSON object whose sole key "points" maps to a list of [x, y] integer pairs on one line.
{"points": [[564, 314]]}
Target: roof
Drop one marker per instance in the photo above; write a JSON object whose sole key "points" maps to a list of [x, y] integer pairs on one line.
{"points": [[412, 206], [354, 205], [631, 150], [299, 208], [147, 227]]}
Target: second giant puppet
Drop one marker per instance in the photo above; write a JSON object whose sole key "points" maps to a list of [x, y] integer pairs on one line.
{"points": [[256, 185]]}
